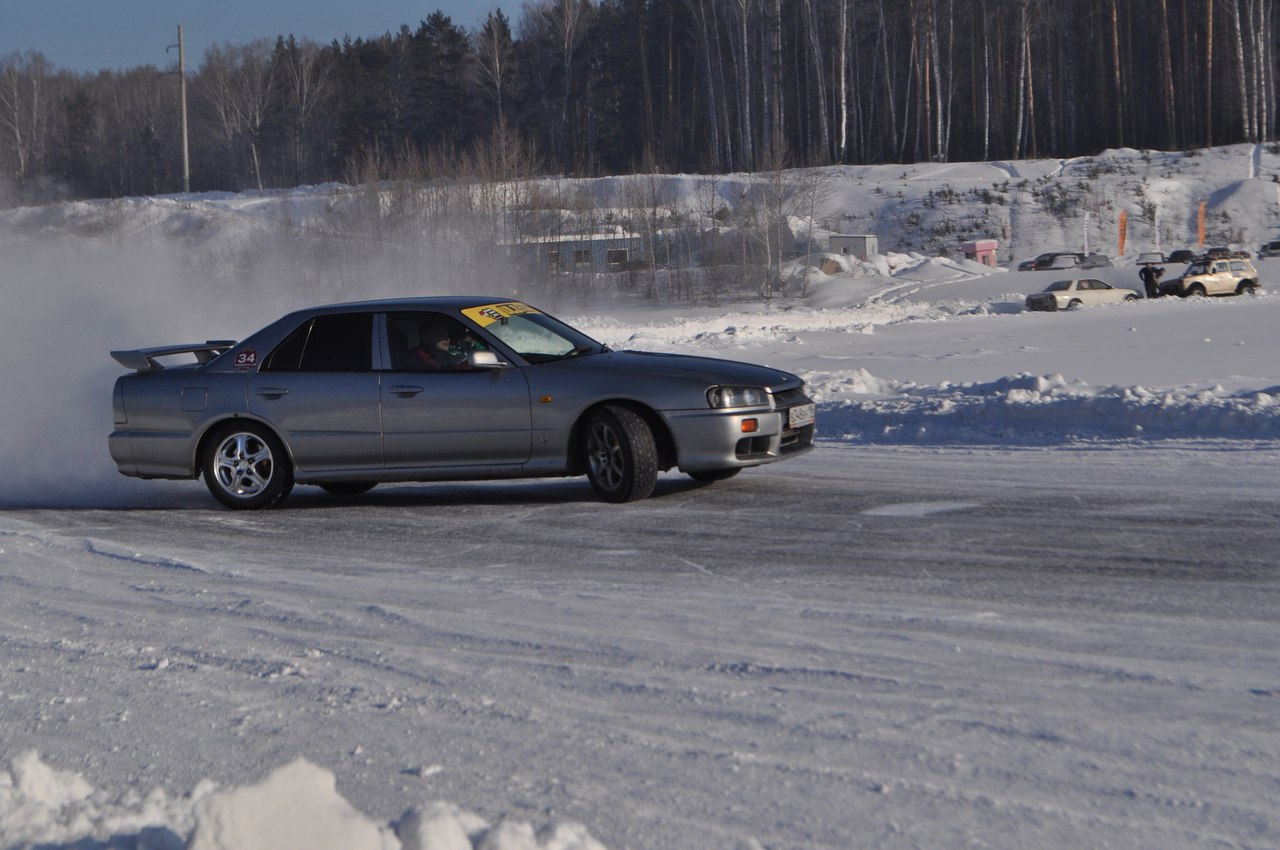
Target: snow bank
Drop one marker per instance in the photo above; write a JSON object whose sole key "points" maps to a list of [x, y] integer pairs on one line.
{"points": [[296, 806], [1040, 410]]}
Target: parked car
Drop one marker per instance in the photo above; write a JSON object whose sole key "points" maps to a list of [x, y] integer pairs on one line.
{"points": [[1218, 272], [349, 395], [1042, 261], [1182, 256], [1152, 257], [1269, 249], [1065, 260], [1077, 293]]}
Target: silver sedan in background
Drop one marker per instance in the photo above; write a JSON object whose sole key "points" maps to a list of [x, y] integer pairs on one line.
{"points": [[350, 395]]}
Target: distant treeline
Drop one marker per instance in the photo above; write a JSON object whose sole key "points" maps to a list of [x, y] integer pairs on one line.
{"points": [[594, 87]]}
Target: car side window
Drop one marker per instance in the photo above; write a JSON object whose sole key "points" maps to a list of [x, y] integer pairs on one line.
{"points": [[336, 343], [429, 342]]}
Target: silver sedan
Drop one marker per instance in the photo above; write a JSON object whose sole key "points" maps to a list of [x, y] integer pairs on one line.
{"points": [[350, 395]]}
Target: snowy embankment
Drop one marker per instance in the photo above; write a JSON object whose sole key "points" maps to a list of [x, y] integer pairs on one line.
{"points": [[1049, 410], [297, 805]]}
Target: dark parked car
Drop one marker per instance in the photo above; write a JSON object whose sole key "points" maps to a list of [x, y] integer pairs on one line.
{"points": [[1065, 260], [1182, 256], [350, 395]]}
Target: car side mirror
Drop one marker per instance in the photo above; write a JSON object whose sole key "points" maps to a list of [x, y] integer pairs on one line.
{"points": [[486, 360]]}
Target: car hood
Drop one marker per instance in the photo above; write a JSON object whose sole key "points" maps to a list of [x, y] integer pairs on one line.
{"points": [[708, 370]]}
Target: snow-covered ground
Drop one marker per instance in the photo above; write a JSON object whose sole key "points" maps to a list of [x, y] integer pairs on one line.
{"points": [[917, 657]]}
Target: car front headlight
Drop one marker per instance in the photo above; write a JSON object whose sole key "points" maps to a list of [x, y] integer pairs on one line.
{"points": [[726, 397]]}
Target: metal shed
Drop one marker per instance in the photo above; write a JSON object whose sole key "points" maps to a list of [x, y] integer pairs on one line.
{"points": [[855, 245]]}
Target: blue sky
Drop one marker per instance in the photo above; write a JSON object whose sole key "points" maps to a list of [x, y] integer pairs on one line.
{"points": [[90, 35]]}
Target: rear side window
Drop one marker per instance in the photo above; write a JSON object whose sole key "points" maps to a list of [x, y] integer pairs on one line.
{"points": [[338, 343]]}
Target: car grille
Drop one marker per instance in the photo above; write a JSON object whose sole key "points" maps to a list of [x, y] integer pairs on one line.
{"points": [[794, 439]]}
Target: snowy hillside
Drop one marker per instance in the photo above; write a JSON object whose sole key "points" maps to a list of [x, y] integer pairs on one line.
{"points": [[918, 358]]}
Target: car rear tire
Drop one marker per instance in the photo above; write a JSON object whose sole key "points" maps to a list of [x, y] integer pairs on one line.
{"points": [[707, 476], [621, 455], [246, 467], [1131, 298], [1246, 288]]}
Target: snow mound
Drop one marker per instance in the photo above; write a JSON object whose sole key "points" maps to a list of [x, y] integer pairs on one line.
{"points": [[1039, 410], [295, 806]]}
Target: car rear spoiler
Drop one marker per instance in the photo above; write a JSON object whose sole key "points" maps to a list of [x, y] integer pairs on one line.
{"points": [[145, 359]]}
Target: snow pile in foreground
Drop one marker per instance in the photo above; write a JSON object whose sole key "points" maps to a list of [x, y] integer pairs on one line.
{"points": [[297, 805], [1027, 409]]}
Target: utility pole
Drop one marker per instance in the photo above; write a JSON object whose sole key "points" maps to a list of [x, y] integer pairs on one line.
{"points": [[182, 89]]}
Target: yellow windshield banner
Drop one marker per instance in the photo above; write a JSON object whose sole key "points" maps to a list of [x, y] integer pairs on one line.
{"points": [[490, 313]]}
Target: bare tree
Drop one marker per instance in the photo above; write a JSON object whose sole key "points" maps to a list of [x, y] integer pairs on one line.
{"points": [[494, 59], [24, 113], [812, 35], [305, 84], [236, 85]]}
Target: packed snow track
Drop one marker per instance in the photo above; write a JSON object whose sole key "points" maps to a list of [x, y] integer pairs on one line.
{"points": [[864, 647]]}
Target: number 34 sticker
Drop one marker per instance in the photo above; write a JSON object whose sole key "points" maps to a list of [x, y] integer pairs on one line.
{"points": [[247, 359]]}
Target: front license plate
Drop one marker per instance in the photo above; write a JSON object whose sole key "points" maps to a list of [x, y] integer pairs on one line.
{"points": [[801, 415]]}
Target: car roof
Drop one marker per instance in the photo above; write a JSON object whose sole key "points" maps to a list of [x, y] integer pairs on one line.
{"points": [[432, 302]]}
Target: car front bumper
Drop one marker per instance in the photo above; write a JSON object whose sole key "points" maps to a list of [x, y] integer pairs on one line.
{"points": [[715, 439]]}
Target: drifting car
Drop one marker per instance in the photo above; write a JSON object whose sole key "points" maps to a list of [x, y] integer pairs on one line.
{"points": [[341, 397], [1074, 294], [1218, 272]]}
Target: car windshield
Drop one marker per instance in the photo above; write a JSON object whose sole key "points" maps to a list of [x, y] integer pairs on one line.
{"points": [[1198, 268], [1058, 286], [535, 336]]}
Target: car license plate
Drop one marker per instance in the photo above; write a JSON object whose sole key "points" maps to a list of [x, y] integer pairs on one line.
{"points": [[801, 415]]}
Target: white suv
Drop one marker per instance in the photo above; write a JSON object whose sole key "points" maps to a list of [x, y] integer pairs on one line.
{"points": [[1215, 273]]}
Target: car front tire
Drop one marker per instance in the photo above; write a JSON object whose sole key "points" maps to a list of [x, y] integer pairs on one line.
{"points": [[621, 455], [245, 466]]}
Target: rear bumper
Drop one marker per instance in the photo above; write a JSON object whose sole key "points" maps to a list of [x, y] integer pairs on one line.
{"points": [[163, 454]]}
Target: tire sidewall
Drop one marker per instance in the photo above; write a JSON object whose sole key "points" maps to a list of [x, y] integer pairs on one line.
{"points": [[637, 450], [278, 485]]}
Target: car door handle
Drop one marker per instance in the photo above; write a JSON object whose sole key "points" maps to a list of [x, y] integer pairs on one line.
{"points": [[404, 390], [271, 392]]}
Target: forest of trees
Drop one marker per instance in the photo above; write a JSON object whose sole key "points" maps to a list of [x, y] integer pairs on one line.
{"points": [[598, 87]]}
